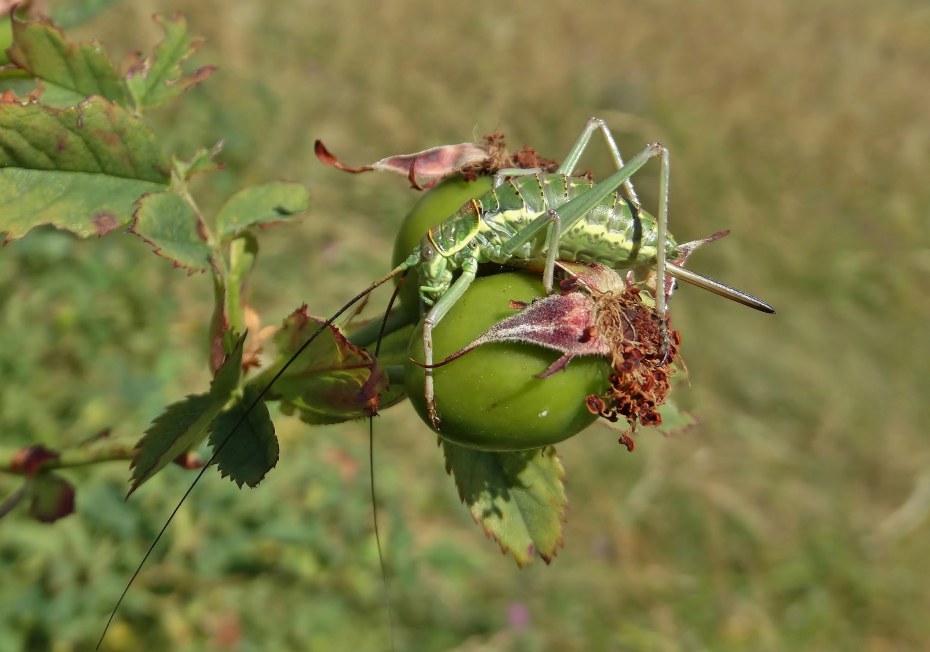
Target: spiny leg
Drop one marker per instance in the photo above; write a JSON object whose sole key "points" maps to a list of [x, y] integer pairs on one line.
{"points": [[574, 154], [661, 240], [433, 317], [571, 212]]}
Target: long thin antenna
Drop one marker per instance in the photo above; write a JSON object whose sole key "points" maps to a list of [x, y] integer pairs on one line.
{"points": [[394, 272], [371, 476]]}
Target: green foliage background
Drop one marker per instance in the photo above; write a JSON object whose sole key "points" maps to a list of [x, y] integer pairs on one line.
{"points": [[793, 517]]}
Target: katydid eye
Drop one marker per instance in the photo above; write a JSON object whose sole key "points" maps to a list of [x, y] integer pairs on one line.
{"points": [[427, 252]]}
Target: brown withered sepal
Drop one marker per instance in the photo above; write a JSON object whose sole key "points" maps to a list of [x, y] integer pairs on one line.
{"points": [[642, 357]]}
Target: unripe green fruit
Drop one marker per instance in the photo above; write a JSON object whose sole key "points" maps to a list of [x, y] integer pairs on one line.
{"points": [[490, 398]]}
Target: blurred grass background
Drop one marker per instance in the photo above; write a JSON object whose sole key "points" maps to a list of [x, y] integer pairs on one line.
{"points": [[794, 517]]}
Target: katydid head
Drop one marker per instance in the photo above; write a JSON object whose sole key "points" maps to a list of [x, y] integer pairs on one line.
{"points": [[434, 268], [444, 248]]}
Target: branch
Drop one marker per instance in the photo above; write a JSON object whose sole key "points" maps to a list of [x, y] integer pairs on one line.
{"points": [[32, 459]]}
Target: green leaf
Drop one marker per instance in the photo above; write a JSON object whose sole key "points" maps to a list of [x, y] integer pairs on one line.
{"points": [[331, 381], [78, 169], [184, 424], [168, 223], [180, 427], [675, 420], [243, 440], [51, 497], [41, 49], [517, 497], [260, 205], [159, 78]]}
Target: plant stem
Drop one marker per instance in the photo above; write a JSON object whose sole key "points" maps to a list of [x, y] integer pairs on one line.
{"points": [[107, 450]]}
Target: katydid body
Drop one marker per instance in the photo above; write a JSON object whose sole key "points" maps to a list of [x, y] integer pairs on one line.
{"points": [[616, 232]]}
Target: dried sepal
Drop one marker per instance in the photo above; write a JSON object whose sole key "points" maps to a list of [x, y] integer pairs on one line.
{"points": [[427, 168], [423, 169], [560, 322], [642, 357]]}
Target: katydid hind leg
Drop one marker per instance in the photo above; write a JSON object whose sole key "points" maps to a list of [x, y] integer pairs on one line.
{"points": [[661, 242], [574, 154], [575, 209]]}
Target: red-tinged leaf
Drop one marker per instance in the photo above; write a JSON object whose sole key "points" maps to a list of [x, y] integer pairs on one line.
{"points": [[184, 424], [78, 169], [243, 440], [169, 224], [51, 497], [331, 381], [517, 497], [42, 50], [423, 169], [261, 206], [159, 78], [230, 307], [29, 460]]}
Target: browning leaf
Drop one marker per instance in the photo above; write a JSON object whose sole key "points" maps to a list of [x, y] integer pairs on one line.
{"points": [[423, 169], [517, 497], [79, 168], [159, 78], [84, 69], [331, 381]]}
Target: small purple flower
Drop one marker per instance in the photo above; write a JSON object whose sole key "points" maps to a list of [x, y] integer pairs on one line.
{"points": [[518, 616]]}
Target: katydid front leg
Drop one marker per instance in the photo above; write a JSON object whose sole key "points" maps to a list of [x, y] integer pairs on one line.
{"points": [[433, 317]]}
